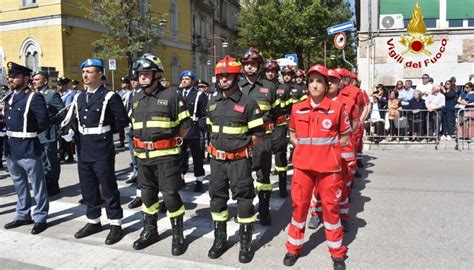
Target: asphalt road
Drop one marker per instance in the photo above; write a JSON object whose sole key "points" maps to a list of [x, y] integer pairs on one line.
{"points": [[411, 209]]}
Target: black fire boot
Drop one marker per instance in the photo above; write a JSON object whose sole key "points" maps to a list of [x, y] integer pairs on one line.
{"points": [[135, 203], [177, 246], [149, 234], [246, 251], [220, 240], [282, 184], [339, 263], [264, 207]]}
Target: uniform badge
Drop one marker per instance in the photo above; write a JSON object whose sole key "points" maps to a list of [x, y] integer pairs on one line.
{"points": [[293, 90], [239, 108], [264, 90], [135, 104], [280, 91], [212, 107], [162, 102], [327, 124], [338, 193]]}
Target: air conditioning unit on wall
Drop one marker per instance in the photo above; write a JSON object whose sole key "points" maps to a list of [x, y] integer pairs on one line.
{"points": [[391, 21]]}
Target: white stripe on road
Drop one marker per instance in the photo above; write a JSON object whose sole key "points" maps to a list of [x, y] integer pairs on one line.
{"points": [[19, 247]]}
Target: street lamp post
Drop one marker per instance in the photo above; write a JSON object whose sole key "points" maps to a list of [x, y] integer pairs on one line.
{"points": [[225, 44]]}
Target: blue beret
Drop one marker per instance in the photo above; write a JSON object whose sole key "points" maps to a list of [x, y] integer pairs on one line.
{"points": [[91, 62], [187, 73]]}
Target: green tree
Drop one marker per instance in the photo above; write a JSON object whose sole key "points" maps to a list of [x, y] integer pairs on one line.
{"points": [[132, 28], [295, 26]]}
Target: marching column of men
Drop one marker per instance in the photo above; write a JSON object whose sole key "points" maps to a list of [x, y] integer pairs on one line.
{"points": [[246, 121]]}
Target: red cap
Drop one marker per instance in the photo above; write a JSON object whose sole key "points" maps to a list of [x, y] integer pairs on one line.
{"points": [[228, 65], [334, 73], [354, 76], [319, 69], [343, 72]]}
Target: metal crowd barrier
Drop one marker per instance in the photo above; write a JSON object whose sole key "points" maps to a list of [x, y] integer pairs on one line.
{"points": [[464, 128], [412, 126]]}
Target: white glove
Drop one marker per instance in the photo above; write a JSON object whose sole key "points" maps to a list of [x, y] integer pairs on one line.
{"points": [[69, 136]]}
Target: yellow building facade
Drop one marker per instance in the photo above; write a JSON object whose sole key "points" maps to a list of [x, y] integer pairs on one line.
{"points": [[56, 35]]}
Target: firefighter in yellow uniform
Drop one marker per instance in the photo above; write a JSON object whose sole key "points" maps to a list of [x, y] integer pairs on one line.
{"points": [[236, 124], [160, 120]]}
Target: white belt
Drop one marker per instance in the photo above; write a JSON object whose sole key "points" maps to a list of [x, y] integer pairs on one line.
{"points": [[93, 130], [18, 134]]}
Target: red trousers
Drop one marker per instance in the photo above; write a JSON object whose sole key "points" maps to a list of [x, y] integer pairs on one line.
{"points": [[347, 176], [329, 186], [357, 141]]}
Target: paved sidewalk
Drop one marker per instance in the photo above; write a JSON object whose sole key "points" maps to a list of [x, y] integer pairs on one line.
{"points": [[411, 209]]}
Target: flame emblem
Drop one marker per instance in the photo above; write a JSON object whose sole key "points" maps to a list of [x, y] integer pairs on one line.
{"points": [[417, 40]]}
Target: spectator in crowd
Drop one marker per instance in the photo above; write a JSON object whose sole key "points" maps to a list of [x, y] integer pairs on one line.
{"points": [[467, 103], [448, 111], [417, 116], [434, 104], [457, 88], [399, 86], [467, 100], [425, 86], [376, 115], [394, 109], [382, 92], [406, 94], [165, 83]]}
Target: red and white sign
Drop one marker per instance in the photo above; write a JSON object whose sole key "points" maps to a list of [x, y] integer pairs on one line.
{"points": [[340, 40]]}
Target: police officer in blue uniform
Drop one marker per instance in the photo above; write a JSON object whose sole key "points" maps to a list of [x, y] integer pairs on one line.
{"points": [[196, 104], [98, 113], [26, 115], [48, 138]]}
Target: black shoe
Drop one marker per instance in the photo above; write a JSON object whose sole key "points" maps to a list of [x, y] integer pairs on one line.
{"points": [[198, 186], [131, 180], [87, 230], [149, 235], [246, 251], [17, 223], [339, 264], [81, 201], [290, 259], [177, 244], [39, 227], [53, 189], [135, 203], [360, 164], [115, 235], [220, 240]]}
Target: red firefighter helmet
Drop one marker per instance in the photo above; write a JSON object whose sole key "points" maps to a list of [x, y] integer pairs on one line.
{"points": [[343, 72], [333, 73], [252, 54], [319, 69], [228, 65], [271, 64], [300, 73]]}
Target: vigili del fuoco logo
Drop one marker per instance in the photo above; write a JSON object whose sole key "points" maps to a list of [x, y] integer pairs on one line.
{"points": [[416, 42]]}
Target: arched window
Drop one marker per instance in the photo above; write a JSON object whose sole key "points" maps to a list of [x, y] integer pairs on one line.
{"points": [[174, 15], [30, 52], [175, 68]]}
